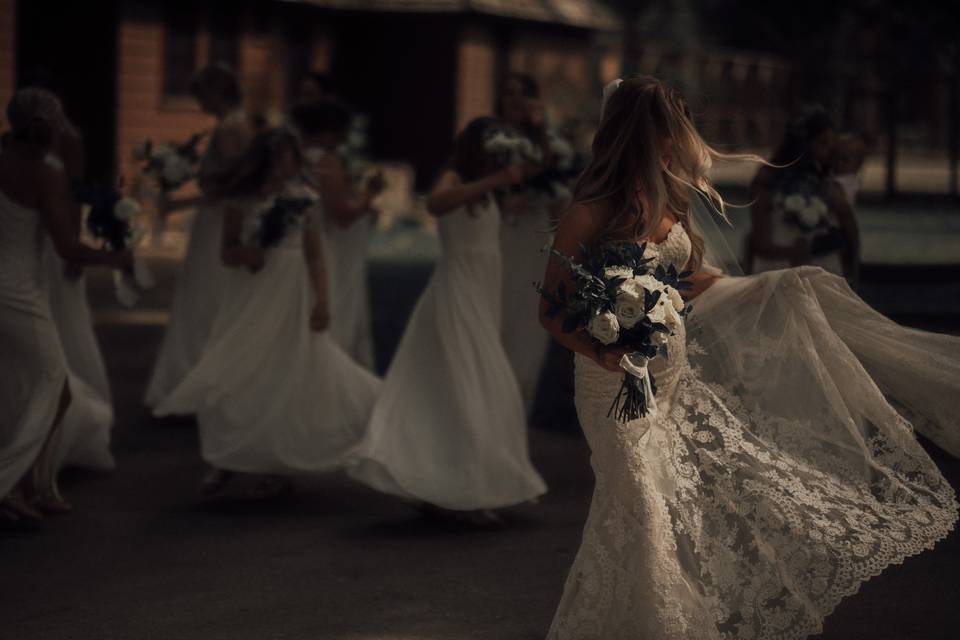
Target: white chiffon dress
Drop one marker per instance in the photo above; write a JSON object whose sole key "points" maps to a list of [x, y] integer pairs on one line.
{"points": [[197, 295], [34, 372], [84, 439], [350, 325], [449, 427], [522, 239], [774, 479], [272, 396]]}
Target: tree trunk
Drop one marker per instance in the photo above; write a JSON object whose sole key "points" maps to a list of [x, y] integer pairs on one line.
{"points": [[953, 134], [891, 117]]}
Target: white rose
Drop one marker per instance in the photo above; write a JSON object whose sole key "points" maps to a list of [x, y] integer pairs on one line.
{"points": [[617, 272], [809, 217], [629, 307], [126, 209], [604, 328], [794, 202], [676, 299], [647, 282]]}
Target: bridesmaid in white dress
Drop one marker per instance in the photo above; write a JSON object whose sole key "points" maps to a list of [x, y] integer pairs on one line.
{"points": [[751, 502], [35, 200], [449, 428], [523, 234], [85, 437], [783, 238], [323, 125], [272, 392], [201, 274]]}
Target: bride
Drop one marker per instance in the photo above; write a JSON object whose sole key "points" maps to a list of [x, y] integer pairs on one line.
{"points": [[774, 477]]}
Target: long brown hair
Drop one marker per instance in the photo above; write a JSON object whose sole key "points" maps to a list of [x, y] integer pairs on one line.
{"points": [[647, 140]]}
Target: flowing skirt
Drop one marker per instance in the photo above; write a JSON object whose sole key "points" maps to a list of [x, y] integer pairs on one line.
{"points": [[449, 427], [350, 322], [31, 381], [85, 434], [270, 395], [195, 305], [775, 479]]}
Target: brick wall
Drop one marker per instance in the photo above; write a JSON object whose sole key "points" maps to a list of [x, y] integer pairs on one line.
{"points": [[144, 112], [8, 58], [476, 84]]}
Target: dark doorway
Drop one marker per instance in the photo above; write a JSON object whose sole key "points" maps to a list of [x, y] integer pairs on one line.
{"points": [[401, 71], [71, 47]]}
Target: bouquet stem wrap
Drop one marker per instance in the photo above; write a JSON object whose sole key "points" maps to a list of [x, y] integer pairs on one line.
{"points": [[636, 398]]}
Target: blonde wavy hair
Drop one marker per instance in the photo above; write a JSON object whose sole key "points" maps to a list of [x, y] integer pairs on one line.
{"points": [[647, 141]]}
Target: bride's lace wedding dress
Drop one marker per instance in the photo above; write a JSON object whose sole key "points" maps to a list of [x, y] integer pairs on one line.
{"points": [[770, 484]]}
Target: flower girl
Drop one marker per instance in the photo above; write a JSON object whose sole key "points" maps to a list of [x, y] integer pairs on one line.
{"points": [[273, 393], [449, 428]]}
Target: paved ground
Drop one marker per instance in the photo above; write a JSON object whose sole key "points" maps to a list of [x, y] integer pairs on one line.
{"points": [[143, 558]]}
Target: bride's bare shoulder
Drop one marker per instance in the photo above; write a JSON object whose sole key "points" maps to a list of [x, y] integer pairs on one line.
{"points": [[584, 220]]}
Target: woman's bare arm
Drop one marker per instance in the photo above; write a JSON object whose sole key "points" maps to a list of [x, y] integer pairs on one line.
{"points": [[578, 227], [316, 266], [58, 209], [233, 251], [451, 193]]}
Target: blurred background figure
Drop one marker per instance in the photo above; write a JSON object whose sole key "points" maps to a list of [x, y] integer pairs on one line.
{"points": [[217, 90], [36, 202], [800, 214], [273, 393], [85, 435], [528, 216], [449, 429], [324, 124]]}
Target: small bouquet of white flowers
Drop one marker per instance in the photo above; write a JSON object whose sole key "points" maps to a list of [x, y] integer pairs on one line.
{"points": [[556, 168], [802, 205], [171, 165], [620, 301], [111, 218], [281, 212]]}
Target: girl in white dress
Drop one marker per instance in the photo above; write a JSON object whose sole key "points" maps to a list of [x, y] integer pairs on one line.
{"points": [[323, 125], [35, 200], [799, 213], [773, 478], [449, 427], [202, 273], [272, 392], [523, 234]]}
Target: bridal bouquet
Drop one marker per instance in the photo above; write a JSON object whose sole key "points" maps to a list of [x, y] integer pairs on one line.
{"points": [[171, 165], [620, 301], [278, 214], [110, 218]]}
